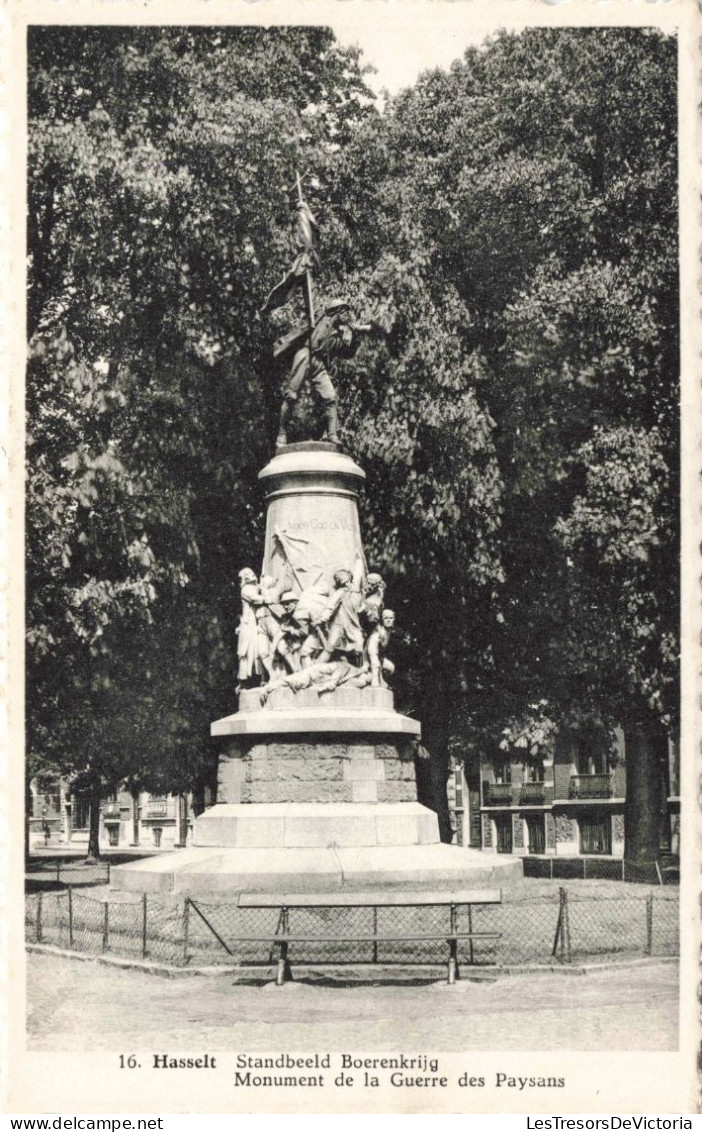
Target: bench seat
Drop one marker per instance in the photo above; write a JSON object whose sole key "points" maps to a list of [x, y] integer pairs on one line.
{"points": [[286, 901]]}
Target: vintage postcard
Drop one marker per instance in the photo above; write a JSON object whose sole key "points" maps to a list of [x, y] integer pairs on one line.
{"points": [[352, 508]]}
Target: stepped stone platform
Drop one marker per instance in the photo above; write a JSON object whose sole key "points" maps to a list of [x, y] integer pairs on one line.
{"points": [[316, 815], [293, 847]]}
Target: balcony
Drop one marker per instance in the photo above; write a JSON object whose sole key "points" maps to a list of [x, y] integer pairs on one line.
{"points": [[156, 810], [532, 794], [590, 786], [111, 812], [497, 793]]}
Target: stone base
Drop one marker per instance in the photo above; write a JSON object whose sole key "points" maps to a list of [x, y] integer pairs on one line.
{"points": [[359, 768], [300, 720], [232, 871], [338, 825]]}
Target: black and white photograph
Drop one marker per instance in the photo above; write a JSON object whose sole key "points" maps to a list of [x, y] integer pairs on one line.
{"points": [[357, 771]]}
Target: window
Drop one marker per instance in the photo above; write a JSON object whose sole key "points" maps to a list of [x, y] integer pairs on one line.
{"points": [[591, 757], [503, 825], [113, 834], [534, 770], [503, 772], [536, 834], [596, 835], [80, 817]]}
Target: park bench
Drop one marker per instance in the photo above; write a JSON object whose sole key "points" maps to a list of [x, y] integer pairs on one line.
{"points": [[283, 937]]}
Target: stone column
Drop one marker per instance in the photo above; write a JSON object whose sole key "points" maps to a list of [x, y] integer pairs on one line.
{"points": [[312, 526]]}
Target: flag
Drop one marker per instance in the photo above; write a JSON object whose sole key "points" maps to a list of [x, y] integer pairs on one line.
{"points": [[304, 243]]}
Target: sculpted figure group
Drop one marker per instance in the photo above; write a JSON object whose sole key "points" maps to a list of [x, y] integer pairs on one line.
{"points": [[320, 637]]}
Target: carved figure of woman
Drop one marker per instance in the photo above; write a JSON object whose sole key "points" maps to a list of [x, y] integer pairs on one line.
{"points": [[340, 618], [248, 651]]}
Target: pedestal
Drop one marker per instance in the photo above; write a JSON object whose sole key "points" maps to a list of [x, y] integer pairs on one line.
{"points": [[312, 526], [316, 789]]}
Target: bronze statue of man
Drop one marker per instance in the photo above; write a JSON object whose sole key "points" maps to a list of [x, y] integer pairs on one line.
{"points": [[332, 336], [320, 337]]}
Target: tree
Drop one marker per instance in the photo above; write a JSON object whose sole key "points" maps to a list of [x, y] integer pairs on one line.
{"points": [[509, 229], [160, 170], [541, 179]]}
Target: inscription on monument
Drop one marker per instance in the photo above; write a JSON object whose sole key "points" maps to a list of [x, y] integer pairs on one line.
{"points": [[320, 525]]}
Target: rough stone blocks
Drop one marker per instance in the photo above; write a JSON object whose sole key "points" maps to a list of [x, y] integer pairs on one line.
{"points": [[397, 791], [326, 771]]}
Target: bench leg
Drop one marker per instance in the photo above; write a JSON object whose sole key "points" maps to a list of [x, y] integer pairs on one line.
{"points": [[283, 972], [452, 962]]}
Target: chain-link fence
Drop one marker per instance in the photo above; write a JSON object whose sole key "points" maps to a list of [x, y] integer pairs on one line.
{"points": [[46, 873], [662, 872], [622, 927], [563, 926]]}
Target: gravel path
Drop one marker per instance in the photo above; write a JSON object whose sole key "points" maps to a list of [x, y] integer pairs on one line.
{"points": [[75, 1005]]}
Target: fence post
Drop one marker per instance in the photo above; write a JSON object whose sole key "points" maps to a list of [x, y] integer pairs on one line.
{"points": [[39, 923], [649, 924], [106, 926], [70, 915], [108, 872], [584, 868], [562, 939], [375, 933], [143, 925], [470, 930], [283, 969], [557, 939], [453, 948], [186, 926], [566, 926], [623, 870]]}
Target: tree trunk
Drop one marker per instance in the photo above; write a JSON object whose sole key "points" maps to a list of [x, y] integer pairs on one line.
{"points": [[94, 834], [182, 802], [135, 794], [646, 747], [27, 814], [433, 774]]}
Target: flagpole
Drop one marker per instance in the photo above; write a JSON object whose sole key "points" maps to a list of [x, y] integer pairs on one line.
{"points": [[309, 296]]}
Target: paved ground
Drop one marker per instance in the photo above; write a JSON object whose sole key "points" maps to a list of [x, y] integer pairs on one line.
{"points": [[76, 1005]]}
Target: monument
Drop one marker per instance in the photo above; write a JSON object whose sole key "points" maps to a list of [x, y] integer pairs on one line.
{"points": [[316, 777]]}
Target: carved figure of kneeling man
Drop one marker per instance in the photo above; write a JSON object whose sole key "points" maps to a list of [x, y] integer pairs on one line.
{"points": [[376, 645]]}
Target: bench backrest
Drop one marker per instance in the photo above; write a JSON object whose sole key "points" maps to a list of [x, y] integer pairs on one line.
{"points": [[367, 899]]}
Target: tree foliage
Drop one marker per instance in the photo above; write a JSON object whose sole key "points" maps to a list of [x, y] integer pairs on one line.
{"points": [[160, 173], [543, 181], [508, 226]]}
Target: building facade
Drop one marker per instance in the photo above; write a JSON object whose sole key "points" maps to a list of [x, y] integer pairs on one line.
{"points": [[59, 817], [569, 802]]}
